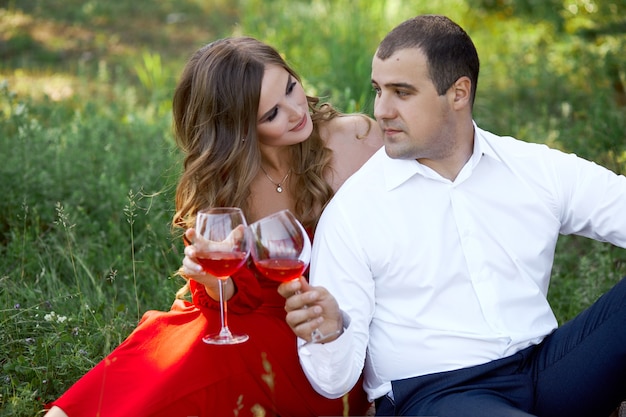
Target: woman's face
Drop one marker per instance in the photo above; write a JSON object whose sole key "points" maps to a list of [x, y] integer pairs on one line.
{"points": [[283, 117]]}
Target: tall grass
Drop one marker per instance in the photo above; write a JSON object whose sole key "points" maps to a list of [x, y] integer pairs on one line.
{"points": [[88, 166], [86, 239]]}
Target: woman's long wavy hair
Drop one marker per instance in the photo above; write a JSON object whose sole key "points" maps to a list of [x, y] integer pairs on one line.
{"points": [[215, 108]]}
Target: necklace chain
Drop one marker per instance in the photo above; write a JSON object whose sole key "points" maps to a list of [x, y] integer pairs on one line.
{"points": [[279, 185]]}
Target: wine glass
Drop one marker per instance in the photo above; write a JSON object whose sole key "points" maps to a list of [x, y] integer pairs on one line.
{"points": [[221, 233], [281, 251], [281, 248]]}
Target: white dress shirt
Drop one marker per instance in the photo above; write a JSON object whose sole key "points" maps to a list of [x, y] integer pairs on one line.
{"points": [[436, 275]]}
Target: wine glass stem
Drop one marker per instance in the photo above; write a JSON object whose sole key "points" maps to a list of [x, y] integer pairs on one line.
{"points": [[224, 332]]}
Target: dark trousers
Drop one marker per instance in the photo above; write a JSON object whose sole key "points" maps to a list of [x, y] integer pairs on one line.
{"points": [[578, 370]]}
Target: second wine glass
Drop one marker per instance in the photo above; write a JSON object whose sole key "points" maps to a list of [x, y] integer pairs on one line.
{"points": [[281, 248], [281, 251]]}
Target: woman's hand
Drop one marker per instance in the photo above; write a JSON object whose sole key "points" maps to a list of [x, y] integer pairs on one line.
{"points": [[192, 269], [311, 308]]}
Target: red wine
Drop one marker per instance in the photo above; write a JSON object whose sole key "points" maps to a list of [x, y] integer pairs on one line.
{"points": [[282, 270], [222, 264]]}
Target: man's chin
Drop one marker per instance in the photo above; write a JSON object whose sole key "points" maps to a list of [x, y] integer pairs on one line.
{"points": [[395, 151]]}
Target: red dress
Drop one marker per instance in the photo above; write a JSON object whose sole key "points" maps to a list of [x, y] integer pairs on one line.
{"points": [[164, 369]]}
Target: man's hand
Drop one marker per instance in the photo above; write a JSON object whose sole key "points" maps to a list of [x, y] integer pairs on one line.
{"points": [[310, 309]]}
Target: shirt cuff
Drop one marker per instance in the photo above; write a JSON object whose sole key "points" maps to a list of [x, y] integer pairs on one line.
{"points": [[327, 365]]}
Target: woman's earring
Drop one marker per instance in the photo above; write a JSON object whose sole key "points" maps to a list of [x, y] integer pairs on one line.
{"points": [[243, 139]]}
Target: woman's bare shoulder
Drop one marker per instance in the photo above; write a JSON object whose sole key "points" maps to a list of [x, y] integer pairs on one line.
{"points": [[353, 138], [357, 131]]}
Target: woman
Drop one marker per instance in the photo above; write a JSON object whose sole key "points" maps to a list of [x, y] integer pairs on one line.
{"points": [[254, 140]]}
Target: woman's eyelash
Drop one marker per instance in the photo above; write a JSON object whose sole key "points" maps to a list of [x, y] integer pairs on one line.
{"points": [[274, 113], [272, 116]]}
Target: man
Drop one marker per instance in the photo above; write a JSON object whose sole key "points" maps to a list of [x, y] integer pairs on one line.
{"points": [[433, 261]]}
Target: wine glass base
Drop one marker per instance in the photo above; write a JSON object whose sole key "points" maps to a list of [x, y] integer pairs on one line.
{"points": [[219, 339]]}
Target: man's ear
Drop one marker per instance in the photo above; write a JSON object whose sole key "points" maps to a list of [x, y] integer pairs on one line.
{"points": [[461, 92]]}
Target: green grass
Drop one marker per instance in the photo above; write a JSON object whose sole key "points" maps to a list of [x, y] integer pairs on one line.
{"points": [[88, 165]]}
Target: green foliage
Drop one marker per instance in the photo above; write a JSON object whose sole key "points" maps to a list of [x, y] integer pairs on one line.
{"points": [[583, 270], [327, 43], [89, 168], [85, 235]]}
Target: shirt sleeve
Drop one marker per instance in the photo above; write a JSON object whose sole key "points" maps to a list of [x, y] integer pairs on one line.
{"points": [[319, 362], [338, 264], [593, 199]]}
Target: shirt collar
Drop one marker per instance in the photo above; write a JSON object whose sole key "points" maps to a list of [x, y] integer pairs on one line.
{"points": [[398, 171], [482, 145]]}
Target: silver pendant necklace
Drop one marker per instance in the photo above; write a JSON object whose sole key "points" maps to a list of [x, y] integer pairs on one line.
{"points": [[278, 185]]}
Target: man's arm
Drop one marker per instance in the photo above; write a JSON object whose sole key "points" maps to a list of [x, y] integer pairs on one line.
{"points": [[340, 298]]}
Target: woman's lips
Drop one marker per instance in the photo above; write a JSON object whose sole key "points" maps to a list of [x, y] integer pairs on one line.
{"points": [[300, 125]]}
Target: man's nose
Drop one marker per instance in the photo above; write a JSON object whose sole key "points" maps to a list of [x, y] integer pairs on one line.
{"points": [[382, 107]]}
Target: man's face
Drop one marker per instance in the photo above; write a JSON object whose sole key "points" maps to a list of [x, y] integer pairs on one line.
{"points": [[415, 119]]}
